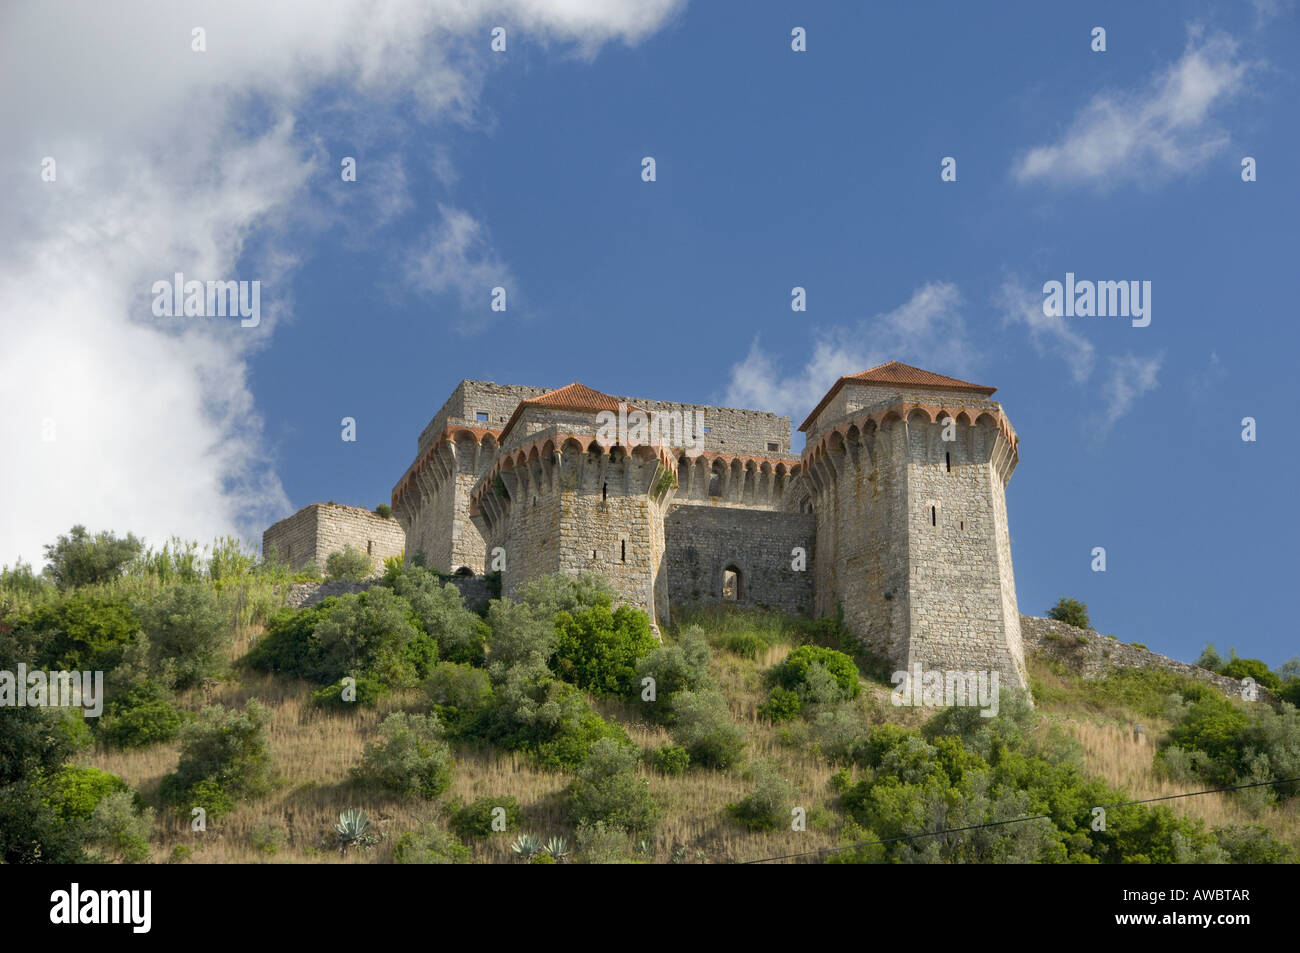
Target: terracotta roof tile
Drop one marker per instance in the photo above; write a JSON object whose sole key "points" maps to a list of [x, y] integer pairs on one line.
{"points": [[573, 396], [896, 372]]}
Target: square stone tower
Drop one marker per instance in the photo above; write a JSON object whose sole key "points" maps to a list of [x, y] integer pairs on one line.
{"points": [[562, 498], [906, 471]]}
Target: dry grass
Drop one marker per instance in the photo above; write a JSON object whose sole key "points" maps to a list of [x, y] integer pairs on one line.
{"points": [[314, 751]]}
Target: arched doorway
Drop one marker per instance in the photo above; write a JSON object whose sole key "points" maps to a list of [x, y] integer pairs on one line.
{"points": [[731, 584]]}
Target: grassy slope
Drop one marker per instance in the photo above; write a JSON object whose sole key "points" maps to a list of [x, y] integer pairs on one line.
{"points": [[314, 751]]}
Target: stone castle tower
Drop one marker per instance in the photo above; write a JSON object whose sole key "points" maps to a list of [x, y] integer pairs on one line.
{"points": [[895, 512], [906, 471]]}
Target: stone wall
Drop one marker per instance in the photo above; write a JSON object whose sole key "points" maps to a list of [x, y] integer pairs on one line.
{"points": [[319, 529], [1096, 656], [702, 541], [474, 590], [913, 543], [963, 608], [472, 398], [583, 512], [859, 496]]}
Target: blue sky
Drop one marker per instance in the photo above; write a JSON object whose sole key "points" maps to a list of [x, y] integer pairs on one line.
{"points": [[774, 169]]}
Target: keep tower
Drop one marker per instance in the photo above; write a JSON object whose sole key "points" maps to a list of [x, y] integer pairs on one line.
{"points": [[562, 498], [906, 472]]}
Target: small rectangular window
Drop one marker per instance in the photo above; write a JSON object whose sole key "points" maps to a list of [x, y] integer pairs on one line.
{"points": [[481, 416], [774, 446], [947, 459], [706, 429]]}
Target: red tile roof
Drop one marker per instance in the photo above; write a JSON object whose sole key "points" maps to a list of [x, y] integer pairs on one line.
{"points": [[905, 375], [573, 396]]}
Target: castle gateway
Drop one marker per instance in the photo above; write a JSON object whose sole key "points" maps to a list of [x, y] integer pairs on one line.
{"points": [[895, 513]]}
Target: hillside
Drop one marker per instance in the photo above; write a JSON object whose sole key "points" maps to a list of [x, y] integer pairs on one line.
{"points": [[859, 767]]}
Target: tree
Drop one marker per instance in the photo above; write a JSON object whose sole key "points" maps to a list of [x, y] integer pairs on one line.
{"points": [[349, 564], [80, 559], [1071, 612], [410, 758], [225, 757], [187, 628]]}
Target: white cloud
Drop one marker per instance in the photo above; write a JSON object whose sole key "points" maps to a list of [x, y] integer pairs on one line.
{"points": [[1023, 306], [1163, 129], [173, 160], [1128, 378], [927, 331], [455, 255]]}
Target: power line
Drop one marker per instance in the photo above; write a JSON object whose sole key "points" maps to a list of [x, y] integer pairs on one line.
{"points": [[1015, 820]]}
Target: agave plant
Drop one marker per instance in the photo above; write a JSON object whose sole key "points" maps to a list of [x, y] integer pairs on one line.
{"points": [[558, 848], [527, 845], [353, 830]]}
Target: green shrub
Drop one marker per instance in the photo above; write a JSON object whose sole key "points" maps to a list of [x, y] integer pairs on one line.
{"points": [[80, 559], [460, 634], [1210, 658], [521, 635], [459, 694], [702, 725], [371, 633], [35, 742], [430, 845], [683, 667], [548, 718], [597, 650], [474, 820], [365, 691], [1252, 844], [745, 644], [76, 789], [1071, 612], [840, 732], [609, 789], [410, 758], [78, 630], [141, 716], [781, 705], [1215, 727], [1240, 668], [348, 565], [267, 838], [601, 843], [384, 510], [187, 630], [796, 673], [30, 831], [767, 806], [286, 648], [225, 758], [117, 831], [672, 760]]}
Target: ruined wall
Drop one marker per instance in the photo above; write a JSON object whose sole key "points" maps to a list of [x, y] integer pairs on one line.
{"points": [[702, 541], [316, 531], [1096, 656]]}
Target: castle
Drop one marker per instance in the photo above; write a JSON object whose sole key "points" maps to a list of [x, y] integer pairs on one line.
{"points": [[894, 513]]}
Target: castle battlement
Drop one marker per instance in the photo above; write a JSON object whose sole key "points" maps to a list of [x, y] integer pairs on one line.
{"points": [[894, 513]]}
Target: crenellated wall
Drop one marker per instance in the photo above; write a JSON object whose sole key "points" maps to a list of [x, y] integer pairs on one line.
{"points": [[912, 532], [554, 506], [898, 501]]}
